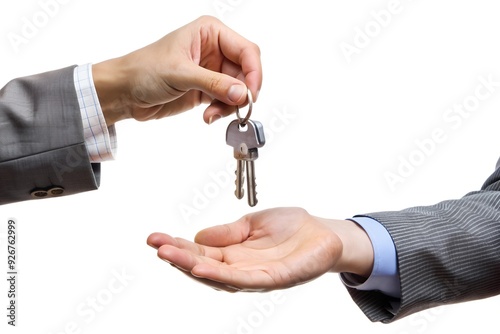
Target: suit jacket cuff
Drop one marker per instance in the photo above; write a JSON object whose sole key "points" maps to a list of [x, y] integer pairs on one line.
{"points": [[41, 138]]}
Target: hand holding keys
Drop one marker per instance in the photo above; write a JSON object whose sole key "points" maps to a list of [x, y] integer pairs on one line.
{"points": [[246, 137]]}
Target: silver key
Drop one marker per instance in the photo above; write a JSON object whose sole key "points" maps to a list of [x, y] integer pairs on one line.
{"points": [[240, 178], [245, 139]]}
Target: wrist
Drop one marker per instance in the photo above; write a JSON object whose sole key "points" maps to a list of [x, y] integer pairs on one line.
{"points": [[357, 251], [111, 84]]}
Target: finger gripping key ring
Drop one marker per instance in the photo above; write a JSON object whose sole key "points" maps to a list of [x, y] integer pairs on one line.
{"points": [[244, 120]]}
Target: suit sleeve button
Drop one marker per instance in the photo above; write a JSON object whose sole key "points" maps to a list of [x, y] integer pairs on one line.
{"points": [[56, 191], [37, 193]]}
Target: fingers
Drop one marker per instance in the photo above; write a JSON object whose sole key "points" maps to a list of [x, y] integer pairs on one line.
{"points": [[185, 261], [217, 110], [213, 284], [156, 240], [207, 240], [178, 257], [233, 67], [246, 54], [241, 280], [182, 253]]}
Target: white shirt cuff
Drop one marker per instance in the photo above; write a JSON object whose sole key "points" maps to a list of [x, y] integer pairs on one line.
{"points": [[100, 139]]}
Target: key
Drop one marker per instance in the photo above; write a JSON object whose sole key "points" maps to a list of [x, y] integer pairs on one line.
{"points": [[245, 139], [240, 179]]}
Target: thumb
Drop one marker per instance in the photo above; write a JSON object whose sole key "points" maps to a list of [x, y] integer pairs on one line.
{"points": [[217, 85], [224, 235]]}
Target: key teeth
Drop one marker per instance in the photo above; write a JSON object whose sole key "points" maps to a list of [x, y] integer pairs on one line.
{"points": [[241, 193], [253, 202], [239, 189]]}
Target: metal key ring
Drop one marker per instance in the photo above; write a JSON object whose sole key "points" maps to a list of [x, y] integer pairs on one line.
{"points": [[243, 121]]}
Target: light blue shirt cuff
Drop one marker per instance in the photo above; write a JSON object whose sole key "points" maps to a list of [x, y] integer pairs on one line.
{"points": [[385, 275]]}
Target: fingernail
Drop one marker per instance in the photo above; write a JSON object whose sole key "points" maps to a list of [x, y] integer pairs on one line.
{"points": [[256, 96], [236, 92], [213, 118]]}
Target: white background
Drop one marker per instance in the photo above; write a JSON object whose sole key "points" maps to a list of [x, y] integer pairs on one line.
{"points": [[335, 129]]}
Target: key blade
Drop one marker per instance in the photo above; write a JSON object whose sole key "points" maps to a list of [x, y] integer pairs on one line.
{"points": [[240, 179], [251, 185]]}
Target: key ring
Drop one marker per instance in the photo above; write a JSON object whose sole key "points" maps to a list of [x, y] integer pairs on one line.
{"points": [[243, 121]]}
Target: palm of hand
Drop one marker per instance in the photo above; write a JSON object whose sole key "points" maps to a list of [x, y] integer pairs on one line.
{"points": [[271, 249]]}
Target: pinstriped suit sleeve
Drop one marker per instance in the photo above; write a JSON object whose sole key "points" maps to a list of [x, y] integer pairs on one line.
{"points": [[447, 253], [41, 138]]}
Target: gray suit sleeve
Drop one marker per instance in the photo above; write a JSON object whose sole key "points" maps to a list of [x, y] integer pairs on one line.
{"points": [[42, 149], [447, 253]]}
